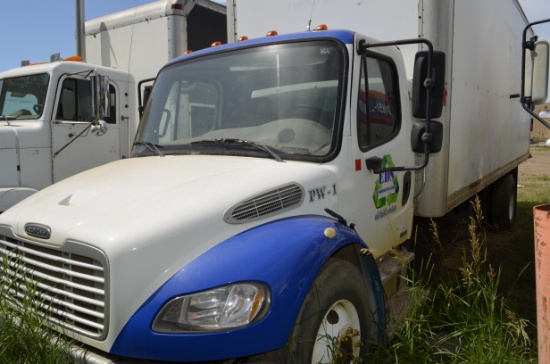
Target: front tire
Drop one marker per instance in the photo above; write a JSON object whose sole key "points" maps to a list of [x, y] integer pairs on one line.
{"points": [[335, 322]]}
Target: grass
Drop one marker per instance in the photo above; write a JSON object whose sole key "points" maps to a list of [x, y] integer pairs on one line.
{"points": [[534, 189], [481, 306], [465, 316], [25, 336]]}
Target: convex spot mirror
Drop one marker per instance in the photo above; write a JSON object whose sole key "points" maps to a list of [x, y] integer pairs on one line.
{"points": [[417, 132]]}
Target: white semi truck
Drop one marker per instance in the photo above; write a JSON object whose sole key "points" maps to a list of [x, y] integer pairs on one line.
{"points": [[269, 198], [48, 125]]}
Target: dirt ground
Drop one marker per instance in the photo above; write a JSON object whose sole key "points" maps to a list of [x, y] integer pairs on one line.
{"points": [[539, 164], [511, 251]]}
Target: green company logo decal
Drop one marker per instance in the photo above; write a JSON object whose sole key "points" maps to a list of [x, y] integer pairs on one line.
{"points": [[386, 188]]}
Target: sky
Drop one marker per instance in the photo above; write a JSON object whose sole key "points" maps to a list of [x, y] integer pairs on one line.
{"points": [[35, 29]]}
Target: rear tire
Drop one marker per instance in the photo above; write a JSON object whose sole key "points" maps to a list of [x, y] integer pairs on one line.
{"points": [[503, 202], [336, 317]]}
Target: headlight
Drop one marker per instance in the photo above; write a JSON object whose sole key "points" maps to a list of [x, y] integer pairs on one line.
{"points": [[217, 309]]}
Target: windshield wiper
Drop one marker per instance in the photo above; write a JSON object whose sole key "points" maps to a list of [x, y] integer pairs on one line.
{"points": [[245, 143], [155, 148]]}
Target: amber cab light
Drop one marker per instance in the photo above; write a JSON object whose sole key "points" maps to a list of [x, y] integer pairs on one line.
{"points": [[74, 59]]}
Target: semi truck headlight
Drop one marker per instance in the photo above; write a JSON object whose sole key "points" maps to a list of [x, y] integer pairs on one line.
{"points": [[221, 308]]}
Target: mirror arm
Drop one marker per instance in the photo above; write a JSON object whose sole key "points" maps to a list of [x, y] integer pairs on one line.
{"points": [[75, 138], [429, 83], [527, 107]]}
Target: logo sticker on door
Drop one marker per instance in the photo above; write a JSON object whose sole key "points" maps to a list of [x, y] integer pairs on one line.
{"points": [[386, 190]]}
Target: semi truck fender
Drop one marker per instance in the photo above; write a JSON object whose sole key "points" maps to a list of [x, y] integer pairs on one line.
{"points": [[9, 196], [286, 255]]}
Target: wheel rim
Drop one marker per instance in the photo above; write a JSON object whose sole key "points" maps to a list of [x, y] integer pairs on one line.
{"points": [[339, 332]]}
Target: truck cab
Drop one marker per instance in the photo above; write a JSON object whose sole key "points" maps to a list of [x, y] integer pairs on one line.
{"points": [[256, 153], [292, 102], [46, 131]]}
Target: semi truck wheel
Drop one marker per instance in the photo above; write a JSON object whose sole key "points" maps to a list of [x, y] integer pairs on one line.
{"points": [[503, 201], [334, 319]]}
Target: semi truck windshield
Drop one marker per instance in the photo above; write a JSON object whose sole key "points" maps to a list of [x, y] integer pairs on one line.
{"points": [[23, 97], [284, 97]]}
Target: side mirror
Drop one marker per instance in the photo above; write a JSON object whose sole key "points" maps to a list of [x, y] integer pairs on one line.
{"points": [[144, 93], [537, 81], [418, 132], [100, 97], [421, 82], [147, 91]]}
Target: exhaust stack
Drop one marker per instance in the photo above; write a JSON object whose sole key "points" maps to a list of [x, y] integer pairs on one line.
{"points": [[80, 42]]}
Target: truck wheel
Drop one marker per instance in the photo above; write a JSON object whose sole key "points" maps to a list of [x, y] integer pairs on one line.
{"points": [[334, 319], [503, 202]]}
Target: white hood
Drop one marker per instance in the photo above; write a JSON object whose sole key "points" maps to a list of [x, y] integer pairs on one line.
{"points": [[153, 215]]}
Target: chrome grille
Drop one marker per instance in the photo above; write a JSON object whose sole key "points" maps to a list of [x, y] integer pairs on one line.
{"points": [[66, 285], [265, 204]]}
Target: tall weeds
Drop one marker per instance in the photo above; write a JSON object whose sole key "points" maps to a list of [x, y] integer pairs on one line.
{"points": [[464, 319], [26, 337]]}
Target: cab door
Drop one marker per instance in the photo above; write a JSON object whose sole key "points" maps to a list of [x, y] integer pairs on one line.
{"points": [[76, 145], [380, 131]]}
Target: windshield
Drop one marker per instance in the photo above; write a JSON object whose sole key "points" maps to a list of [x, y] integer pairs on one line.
{"points": [[278, 99], [23, 97]]}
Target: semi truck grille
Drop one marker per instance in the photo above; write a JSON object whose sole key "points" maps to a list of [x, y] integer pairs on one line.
{"points": [[266, 204], [65, 285]]}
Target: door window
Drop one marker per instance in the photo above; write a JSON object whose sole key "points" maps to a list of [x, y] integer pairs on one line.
{"points": [[75, 103], [111, 119], [378, 114]]}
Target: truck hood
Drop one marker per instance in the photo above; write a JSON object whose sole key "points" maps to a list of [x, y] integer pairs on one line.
{"points": [[129, 199], [151, 216]]}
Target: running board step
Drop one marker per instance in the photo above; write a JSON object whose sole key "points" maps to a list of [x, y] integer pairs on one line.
{"points": [[393, 274], [395, 264]]}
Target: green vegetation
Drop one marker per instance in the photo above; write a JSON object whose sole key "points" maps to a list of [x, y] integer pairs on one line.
{"points": [[25, 337], [461, 317]]}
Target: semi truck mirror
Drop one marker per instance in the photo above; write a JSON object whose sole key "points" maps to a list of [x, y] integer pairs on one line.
{"points": [[144, 92], [100, 97], [418, 133], [421, 82], [538, 77]]}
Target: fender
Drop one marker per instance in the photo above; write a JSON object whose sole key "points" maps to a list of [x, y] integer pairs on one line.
{"points": [[285, 254], [9, 196]]}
